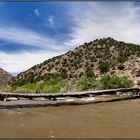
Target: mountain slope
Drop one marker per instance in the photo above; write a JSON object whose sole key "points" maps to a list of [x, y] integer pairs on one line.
{"points": [[96, 58], [5, 78]]}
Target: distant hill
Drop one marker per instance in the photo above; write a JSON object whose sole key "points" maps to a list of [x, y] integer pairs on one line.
{"points": [[96, 58], [5, 78]]}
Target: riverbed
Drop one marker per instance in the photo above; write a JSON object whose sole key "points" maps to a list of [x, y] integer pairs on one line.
{"points": [[112, 119]]}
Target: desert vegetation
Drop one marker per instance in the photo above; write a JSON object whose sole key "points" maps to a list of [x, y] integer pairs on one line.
{"points": [[59, 84], [93, 65]]}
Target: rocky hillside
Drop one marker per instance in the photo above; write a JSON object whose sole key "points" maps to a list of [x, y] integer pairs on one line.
{"points": [[96, 58], [5, 78]]}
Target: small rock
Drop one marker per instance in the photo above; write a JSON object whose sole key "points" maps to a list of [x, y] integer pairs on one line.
{"points": [[119, 93], [11, 99], [5, 100]]}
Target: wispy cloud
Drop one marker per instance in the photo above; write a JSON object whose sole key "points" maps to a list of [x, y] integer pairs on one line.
{"points": [[15, 63], [93, 20], [20, 61], [89, 21], [51, 21], [36, 11], [28, 37]]}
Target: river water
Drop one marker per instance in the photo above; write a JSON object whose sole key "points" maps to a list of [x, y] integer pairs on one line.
{"points": [[117, 119]]}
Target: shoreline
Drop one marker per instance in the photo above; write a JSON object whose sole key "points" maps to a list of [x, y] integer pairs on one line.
{"points": [[62, 102], [26, 100]]}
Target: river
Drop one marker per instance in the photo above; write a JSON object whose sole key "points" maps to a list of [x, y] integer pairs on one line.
{"points": [[114, 119]]}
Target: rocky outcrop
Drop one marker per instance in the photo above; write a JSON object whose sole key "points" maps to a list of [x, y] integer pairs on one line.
{"points": [[5, 78]]}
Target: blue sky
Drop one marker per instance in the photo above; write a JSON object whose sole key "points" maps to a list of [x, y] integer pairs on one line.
{"points": [[31, 32]]}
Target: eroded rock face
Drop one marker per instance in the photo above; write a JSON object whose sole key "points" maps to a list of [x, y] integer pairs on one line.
{"points": [[5, 78]]}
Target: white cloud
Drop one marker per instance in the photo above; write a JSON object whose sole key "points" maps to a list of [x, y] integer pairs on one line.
{"points": [[90, 21], [15, 63], [28, 37], [51, 21], [20, 61], [93, 20], [37, 13]]}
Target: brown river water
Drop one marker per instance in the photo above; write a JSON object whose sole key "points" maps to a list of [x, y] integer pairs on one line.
{"points": [[113, 119]]}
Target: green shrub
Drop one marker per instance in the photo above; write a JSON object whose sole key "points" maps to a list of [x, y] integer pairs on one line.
{"points": [[86, 84], [122, 57], [29, 87], [63, 73], [89, 72], [13, 88], [53, 85], [113, 62], [49, 85], [112, 82], [104, 66]]}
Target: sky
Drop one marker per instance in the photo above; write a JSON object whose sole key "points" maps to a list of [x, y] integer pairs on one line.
{"points": [[32, 32]]}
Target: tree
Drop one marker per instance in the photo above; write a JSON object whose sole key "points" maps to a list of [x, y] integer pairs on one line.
{"points": [[104, 66]]}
